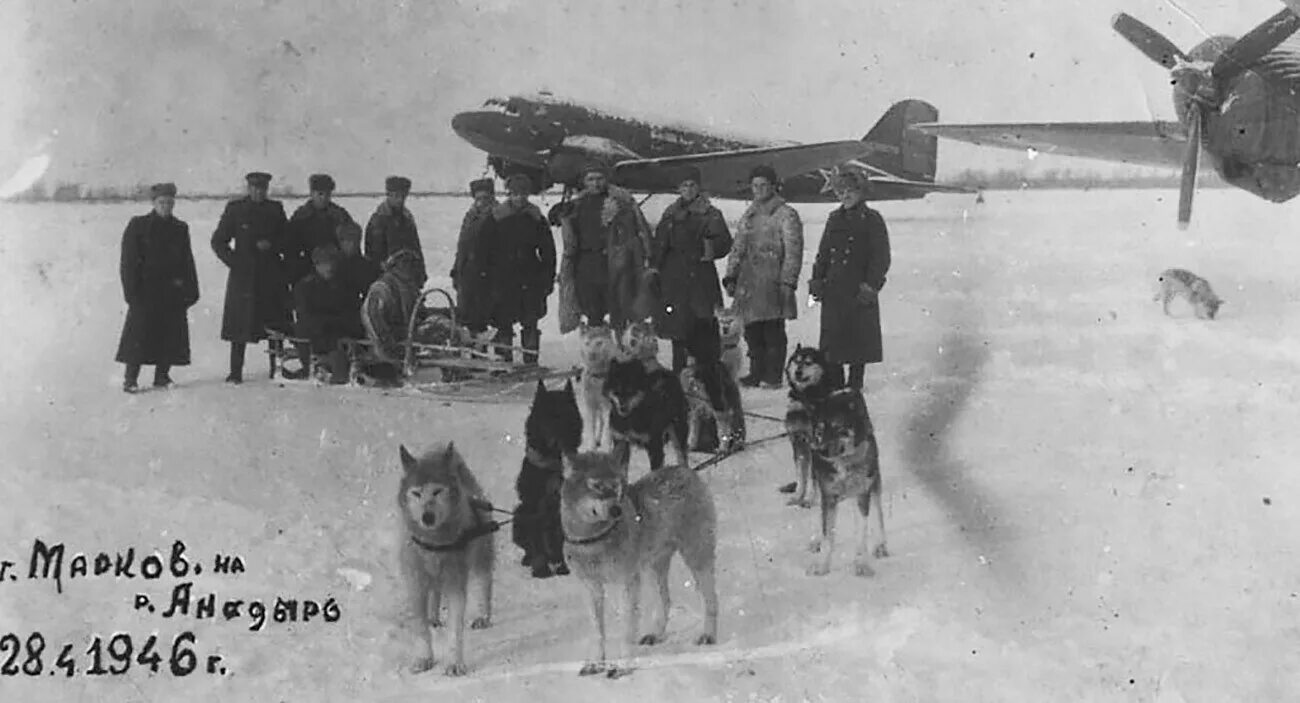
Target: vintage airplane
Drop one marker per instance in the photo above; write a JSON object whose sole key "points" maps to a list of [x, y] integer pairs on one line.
{"points": [[1238, 99], [552, 140]]}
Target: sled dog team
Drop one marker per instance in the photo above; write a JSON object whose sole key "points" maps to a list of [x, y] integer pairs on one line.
{"points": [[579, 512]]}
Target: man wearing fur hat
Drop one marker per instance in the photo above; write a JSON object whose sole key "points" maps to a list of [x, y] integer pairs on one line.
{"points": [[517, 251], [691, 235], [847, 276], [762, 274], [160, 285], [392, 226], [389, 305], [327, 312], [605, 272], [473, 301], [315, 223], [257, 286]]}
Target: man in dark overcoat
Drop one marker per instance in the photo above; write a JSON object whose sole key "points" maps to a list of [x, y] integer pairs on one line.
{"points": [[847, 276], [473, 293], [327, 311], [160, 285], [691, 235], [315, 223], [257, 286], [355, 271], [392, 226], [518, 253]]}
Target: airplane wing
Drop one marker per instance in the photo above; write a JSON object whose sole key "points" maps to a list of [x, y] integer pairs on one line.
{"points": [[1145, 143], [727, 171]]}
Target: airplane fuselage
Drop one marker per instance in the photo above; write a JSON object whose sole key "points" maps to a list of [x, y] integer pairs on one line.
{"points": [[553, 140], [1253, 139]]}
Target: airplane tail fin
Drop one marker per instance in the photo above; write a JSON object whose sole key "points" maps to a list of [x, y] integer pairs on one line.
{"points": [[904, 152]]}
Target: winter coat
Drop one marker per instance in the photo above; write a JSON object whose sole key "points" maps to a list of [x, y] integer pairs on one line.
{"points": [[517, 250], [473, 294], [388, 231], [257, 286], [160, 285], [327, 311], [765, 261], [689, 238], [309, 228], [854, 251], [606, 266], [356, 273], [386, 315]]}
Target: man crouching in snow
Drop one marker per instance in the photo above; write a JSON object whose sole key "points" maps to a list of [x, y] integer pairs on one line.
{"points": [[387, 311]]}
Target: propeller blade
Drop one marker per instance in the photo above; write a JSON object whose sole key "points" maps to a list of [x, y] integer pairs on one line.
{"points": [[1191, 161], [1147, 40], [1257, 42]]}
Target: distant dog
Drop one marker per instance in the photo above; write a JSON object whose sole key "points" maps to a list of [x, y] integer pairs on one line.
{"points": [[714, 421], [553, 428], [731, 330], [846, 464], [1197, 291], [599, 348], [639, 341], [646, 408], [445, 542], [811, 380], [614, 532]]}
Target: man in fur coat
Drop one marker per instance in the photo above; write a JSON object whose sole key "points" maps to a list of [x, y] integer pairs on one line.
{"points": [[315, 223], [691, 235], [473, 301], [257, 287], [160, 285], [605, 269], [389, 305], [392, 226], [517, 251], [847, 276], [762, 274]]}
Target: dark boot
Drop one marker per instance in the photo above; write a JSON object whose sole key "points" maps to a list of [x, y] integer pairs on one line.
{"points": [[505, 337], [756, 372], [131, 380], [679, 356], [236, 363], [162, 376], [774, 369], [530, 338], [856, 373]]}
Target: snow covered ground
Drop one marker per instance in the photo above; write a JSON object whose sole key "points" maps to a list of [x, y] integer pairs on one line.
{"points": [[1085, 500]]}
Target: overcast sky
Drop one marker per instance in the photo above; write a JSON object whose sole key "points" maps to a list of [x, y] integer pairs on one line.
{"points": [[201, 91]]}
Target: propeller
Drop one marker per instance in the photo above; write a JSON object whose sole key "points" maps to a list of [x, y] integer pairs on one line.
{"points": [[1201, 82]]}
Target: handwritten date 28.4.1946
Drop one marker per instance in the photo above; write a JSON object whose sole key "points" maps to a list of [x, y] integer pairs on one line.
{"points": [[33, 656]]}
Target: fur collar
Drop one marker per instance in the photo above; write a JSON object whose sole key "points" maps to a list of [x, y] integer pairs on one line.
{"points": [[386, 210], [616, 200], [765, 208], [699, 206], [504, 209]]}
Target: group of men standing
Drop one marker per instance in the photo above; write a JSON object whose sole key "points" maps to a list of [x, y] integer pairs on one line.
{"points": [[613, 268], [306, 274]]}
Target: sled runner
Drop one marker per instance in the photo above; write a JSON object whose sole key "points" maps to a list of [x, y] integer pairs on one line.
{"points": [[437, 350]]}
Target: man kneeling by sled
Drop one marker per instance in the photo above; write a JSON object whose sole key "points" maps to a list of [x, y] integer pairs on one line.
{"points": [[327, 312], [387, 312]]}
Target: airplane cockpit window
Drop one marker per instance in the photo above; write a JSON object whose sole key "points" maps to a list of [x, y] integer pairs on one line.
{"points": [[505, 107]]}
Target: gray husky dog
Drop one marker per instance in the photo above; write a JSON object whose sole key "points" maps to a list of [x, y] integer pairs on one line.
{"points": [[1197, 290], [614, 531], [446, 541]]}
